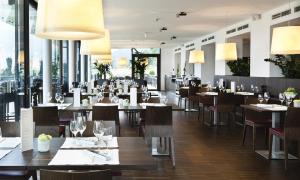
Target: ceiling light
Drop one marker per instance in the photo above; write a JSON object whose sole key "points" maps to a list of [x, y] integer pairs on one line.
{"points": [[226, 51], [163, 29], [286, 40], [70, 20], [162, 43], [182, 13], [196, 57], [100, 46], [173, 37]]}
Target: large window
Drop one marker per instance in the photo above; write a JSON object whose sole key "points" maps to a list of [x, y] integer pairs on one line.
{"points": [[121, 62]]}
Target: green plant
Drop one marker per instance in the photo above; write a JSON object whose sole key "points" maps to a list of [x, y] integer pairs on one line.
{"points": [[140, 65], [103, 69], [291, 90], [289, 65], [240, 67], [152, 73]]}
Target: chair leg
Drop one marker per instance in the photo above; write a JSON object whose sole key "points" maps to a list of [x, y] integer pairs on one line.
{"points": [[270, 145], [244, 134], [285, 153], [172, 151], [203, 114], [199, 109], [266, 137], [254, 137]]}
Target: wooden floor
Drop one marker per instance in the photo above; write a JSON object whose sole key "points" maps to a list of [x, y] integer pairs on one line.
{"points": [[201, 153]]}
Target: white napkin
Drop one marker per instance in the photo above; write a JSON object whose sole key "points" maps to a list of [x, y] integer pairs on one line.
{"points": [[144, 105], [85, 157], [10, 143], [89, 142], [4, 153], [264, 105]]}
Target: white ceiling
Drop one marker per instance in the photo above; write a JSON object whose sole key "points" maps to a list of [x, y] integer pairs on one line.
{"points": [[129, 20]]}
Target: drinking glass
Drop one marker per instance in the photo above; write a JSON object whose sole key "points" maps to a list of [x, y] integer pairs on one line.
{"points": [[81, 123], [281, 98], [100, 96], [260, 98], [74, 127], [242, 88], [107, 136], [0, 134], [98, 129], [144, 97], [266, 97], [256, 89], [57, 97], [252, 88], [147, 96], [61, 98]]}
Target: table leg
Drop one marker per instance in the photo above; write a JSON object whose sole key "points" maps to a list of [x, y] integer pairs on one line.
{"points": [[215, 112]]}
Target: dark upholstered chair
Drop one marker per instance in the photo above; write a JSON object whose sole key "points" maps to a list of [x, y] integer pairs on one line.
{"points": [[183, 95], [290, 132], [47, 121], [12, 129], [107, 113], [76, 175], [158, 123], [255, 120]]}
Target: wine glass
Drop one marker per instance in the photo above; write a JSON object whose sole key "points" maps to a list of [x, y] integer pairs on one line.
{"points": [[266, 97], [144, 97], [281, 98], [81, 122], [74, 128], [100, 96], [61, 98], [256, 89], [107, 136], [98, 130], [252, 88], [147, 96], [260, 98], [242, 88], [57, 97]]}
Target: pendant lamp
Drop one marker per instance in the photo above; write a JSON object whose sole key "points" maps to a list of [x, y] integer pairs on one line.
{"points": [[226, 51], [196, 57], [70, 19], [286, 40], [99, 46]]}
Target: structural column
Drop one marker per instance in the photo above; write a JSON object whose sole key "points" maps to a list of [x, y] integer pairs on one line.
{"points": [[89, 69], [47, 70], [82, 68], [72, 63]]}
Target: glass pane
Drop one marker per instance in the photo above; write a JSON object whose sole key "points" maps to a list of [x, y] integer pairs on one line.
{"points": [[151, 73], [36, 56], [148, 50], [121, 64]]}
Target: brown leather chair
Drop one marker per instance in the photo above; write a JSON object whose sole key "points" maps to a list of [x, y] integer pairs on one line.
{"points": [[204, 103], [255, 120], [46, 120], [290, 132], [183, 95], [12, 129], [76, 175], [159, 123], [107, 113]]}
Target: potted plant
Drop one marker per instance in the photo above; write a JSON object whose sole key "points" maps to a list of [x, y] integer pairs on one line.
{"points": [[241, 67], [140, 66], [103, 69], [44, 142]]}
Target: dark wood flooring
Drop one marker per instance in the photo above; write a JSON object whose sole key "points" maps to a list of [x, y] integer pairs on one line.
{"points": [[201, 153]]}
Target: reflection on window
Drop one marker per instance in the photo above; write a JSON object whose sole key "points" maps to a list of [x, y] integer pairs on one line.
{"points": [[148, 50], [121, 62]]}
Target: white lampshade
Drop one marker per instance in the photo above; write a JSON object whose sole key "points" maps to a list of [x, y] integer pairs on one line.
{"points": [[123, 61], [226, 51], [70, 20], [196, 57], [286, 40], [99, 46]]}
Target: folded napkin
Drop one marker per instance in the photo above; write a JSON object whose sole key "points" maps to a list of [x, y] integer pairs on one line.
{"points": [[4, 153], [85, 157], [106, 104], [144, 105], [10, 143], [90, 142], [263, 105]]}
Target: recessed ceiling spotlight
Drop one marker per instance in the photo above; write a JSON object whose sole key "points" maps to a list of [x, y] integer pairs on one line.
{"points": [[182, 13], [163, 29], [157, 19], [162, 43], [173, 37]]}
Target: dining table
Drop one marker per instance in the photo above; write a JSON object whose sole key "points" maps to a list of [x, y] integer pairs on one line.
{"points": [[215, 100], [277, 111], [133, 154]]}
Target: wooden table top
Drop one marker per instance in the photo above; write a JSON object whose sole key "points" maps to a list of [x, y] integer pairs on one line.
{"points": [[265, 109], [133, 155]]}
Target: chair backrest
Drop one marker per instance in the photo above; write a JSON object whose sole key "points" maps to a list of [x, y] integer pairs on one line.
{"points": [[76, 175], [206, 100], [292, 124], [225, 99], [193, 90], [45, 116], [10, 129], [158, 115], [183, 92], [106, 113]]}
